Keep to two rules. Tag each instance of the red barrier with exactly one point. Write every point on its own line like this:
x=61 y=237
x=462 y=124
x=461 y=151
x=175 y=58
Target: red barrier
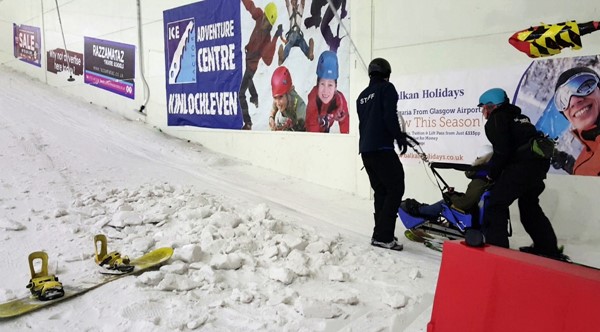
x=495 y=289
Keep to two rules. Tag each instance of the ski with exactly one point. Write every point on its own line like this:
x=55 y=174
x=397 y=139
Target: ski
x=421 y=236
x=563 y=258
x=58 y=292
x=412 y=235
x=437 y=246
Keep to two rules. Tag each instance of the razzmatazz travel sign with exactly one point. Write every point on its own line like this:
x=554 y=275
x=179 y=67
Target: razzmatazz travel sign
x=110 y=66
x=203 y=64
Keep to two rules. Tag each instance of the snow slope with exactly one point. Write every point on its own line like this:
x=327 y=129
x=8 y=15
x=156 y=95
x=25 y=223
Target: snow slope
x=254 y=250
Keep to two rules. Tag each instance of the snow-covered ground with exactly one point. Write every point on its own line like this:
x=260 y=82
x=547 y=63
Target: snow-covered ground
x=254 y=250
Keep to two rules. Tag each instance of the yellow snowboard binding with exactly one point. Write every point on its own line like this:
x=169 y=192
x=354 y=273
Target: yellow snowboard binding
x=113 y=260
x=43 y=286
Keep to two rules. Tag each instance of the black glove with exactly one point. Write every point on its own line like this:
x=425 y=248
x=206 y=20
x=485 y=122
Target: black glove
x=447 y=196
x=563 y=160
x=402 y=145
x=279 y=31
x=411 y=140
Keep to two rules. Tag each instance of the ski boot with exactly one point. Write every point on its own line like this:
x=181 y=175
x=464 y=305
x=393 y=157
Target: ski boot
x=313 y=21
x=113 y=260
x=311 y=49
x=43 y=286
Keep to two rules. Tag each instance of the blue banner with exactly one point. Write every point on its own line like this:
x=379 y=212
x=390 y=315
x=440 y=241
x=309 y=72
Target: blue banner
x=203 y=64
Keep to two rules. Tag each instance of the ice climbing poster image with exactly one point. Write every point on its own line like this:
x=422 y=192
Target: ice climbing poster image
x=258 y=65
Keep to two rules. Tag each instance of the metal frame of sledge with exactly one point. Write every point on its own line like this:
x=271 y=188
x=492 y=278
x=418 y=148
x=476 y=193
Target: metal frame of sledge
x=457 y=221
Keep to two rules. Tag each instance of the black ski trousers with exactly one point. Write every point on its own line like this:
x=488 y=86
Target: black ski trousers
x=522 y=181
x=386 y=176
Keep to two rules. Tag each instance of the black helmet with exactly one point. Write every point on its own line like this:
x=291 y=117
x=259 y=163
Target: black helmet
x=380 y=66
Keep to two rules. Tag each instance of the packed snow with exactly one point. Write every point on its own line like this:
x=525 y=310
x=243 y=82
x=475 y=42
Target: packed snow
x=254 y=250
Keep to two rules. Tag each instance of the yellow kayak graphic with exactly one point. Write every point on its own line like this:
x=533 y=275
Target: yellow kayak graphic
x=550 y=39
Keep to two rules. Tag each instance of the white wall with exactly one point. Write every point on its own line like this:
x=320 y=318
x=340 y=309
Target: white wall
x=416 y=37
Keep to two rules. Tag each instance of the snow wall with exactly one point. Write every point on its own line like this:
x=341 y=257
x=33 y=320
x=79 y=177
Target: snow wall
x=418 y=38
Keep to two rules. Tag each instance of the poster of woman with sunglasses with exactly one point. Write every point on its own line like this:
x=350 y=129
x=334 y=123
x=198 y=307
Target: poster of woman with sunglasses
x=562 y=96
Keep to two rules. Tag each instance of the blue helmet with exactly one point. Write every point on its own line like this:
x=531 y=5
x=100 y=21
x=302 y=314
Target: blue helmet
x=327 y=66
x=495 y=96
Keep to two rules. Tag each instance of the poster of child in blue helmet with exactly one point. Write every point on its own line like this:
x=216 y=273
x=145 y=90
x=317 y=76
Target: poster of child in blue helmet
x=562 y=97
x=326 y=105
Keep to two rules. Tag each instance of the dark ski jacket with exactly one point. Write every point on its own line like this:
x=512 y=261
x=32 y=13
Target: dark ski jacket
x=478 y=185
x=508 y=130
x=378 y=118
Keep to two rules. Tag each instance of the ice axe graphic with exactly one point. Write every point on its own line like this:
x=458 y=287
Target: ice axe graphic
x=550 y=39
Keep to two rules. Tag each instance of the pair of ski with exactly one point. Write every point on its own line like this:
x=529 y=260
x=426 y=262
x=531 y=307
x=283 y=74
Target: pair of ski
x=46 y=289
x=436 y=243
x=421 y=236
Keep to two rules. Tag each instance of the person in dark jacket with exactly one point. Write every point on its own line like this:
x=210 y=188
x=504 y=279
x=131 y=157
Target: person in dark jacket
x=517 y=175
x=465 y=202
x=378 y=129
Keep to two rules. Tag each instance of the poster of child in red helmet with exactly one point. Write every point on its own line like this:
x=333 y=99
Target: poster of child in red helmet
x=289 y=110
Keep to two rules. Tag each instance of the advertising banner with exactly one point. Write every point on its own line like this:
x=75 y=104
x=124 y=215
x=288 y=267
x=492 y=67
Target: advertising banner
x=203 y=62
x=110 y=66
x=440 y=110
x=280 y=65
x=57 y=62
x=28 y=44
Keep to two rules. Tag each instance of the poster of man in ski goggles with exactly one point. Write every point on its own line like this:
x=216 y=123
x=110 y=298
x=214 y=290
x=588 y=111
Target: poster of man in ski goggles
x=568 y=89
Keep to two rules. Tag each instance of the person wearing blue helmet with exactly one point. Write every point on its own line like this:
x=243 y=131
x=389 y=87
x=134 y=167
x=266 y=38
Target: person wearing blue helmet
x=326 y=105
x=516 y=174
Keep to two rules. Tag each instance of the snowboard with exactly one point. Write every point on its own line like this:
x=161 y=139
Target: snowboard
x=28 y=304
